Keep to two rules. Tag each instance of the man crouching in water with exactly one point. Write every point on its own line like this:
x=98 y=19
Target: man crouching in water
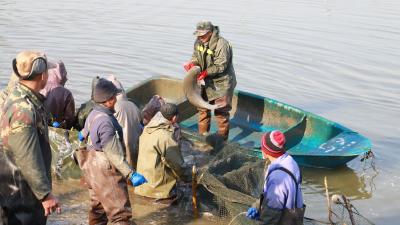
x=160 y=158
x=105 y=167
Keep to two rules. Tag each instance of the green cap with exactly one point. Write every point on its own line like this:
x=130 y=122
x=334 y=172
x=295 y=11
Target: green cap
x=203 y=27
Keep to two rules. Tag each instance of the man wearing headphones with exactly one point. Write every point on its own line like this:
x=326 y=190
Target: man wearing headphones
x=25 y=189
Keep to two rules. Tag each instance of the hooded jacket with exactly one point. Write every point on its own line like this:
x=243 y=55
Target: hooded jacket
x=215 y=56
x=59 y=100
x=160 y=159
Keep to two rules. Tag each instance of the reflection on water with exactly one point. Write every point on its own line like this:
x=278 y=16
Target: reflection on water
x=341 y=180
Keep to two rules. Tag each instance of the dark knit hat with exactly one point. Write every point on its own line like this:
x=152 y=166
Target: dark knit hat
x=169 y=110
x=272 y=143
x=104 y=90
x=94 y=82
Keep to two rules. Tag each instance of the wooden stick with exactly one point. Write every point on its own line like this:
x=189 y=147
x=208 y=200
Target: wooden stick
x=348 y=207
x=194 y=196
x=328 y=200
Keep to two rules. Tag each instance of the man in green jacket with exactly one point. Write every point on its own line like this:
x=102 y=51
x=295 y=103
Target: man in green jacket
x=213 y=54
x=160 y=159
x=25 y=188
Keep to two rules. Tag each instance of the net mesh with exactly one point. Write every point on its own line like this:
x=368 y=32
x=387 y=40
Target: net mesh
x=232 y=181
x=343 y=212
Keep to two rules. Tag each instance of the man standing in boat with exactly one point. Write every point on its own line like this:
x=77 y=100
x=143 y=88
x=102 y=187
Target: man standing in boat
x=25 y=189
x=213 y=54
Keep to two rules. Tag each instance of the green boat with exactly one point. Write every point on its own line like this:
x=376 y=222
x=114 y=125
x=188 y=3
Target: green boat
x=312 y=140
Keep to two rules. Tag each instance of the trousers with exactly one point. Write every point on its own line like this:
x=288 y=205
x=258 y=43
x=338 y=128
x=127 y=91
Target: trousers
x=108 y=192
x=221 y=114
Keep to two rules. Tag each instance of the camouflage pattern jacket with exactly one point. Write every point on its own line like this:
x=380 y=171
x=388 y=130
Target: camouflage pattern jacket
x=25 y=155
x=215 y=56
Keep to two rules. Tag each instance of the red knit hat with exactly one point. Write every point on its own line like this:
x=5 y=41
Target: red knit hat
x=272 y=143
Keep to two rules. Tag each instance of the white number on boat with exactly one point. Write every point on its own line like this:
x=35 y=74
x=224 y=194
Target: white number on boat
x=338 y=144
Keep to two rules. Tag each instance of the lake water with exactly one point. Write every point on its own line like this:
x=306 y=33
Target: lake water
x=337 y=58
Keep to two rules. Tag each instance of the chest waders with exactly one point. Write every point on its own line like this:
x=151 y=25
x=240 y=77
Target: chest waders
x=293 y=216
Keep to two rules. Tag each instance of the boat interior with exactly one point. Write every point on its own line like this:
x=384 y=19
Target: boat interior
x=253 y=115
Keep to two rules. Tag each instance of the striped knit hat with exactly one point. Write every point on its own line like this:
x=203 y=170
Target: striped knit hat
x=272 y=143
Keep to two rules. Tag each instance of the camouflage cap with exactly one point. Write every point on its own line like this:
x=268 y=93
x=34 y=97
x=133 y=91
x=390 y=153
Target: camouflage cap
x=29 y=64
x=203 y=27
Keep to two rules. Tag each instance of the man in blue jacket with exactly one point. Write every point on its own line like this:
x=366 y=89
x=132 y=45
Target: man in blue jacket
x=104 y=166
x=282 y=198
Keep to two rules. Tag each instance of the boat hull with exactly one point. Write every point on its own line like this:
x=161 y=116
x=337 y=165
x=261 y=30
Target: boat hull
x=312 y=140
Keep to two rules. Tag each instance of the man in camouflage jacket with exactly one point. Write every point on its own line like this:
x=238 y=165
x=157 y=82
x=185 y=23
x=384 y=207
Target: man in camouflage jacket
x=25 y=189
x=213 y=54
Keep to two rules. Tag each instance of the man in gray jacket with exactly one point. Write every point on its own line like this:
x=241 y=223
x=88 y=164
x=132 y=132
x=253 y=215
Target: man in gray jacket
x=213 y=54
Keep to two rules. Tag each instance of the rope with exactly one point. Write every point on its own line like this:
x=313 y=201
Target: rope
x=310 y=219
x=234 y=218
x=319 y=221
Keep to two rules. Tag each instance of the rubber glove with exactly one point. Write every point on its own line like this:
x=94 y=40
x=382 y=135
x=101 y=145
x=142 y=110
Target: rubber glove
x=56 y=124
x=80 y=136
x=253 y=214
x=202 y=75
x=188 y=66
x=137 y=179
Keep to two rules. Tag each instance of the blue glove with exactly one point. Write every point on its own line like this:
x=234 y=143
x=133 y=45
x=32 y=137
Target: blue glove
x=56 y=124
x=253 y=214
x=137 y=179
x=80 y=136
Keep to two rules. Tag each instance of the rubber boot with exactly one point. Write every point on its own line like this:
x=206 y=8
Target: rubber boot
x=204 y=121
x=222 y=119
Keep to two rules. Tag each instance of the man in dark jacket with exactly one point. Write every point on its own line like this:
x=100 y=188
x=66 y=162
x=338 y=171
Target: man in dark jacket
x=59 y=100
x=25 y=188
x=105 y=167
x=213 y=54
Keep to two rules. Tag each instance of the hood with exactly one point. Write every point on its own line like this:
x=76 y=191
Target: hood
x=158 y=122
x=214 y=38
x=57 y=78
x=118 y=85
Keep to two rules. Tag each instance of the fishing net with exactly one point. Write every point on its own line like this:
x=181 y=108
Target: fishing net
x=232 y=181
x=343 y=212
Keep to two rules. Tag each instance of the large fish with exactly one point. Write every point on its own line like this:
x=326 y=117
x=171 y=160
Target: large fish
x=193 y=91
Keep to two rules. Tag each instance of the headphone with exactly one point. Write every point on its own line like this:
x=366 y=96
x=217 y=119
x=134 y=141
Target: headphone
x=39 y=65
